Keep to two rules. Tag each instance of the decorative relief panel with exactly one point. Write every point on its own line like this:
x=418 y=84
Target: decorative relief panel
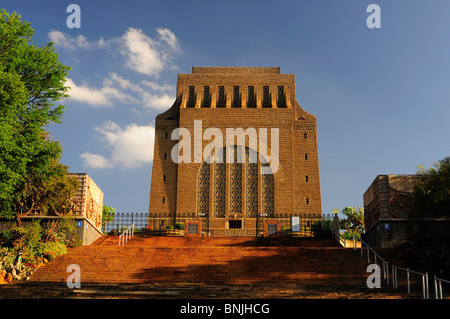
x=267 y=194
x=219 y=177
x=251 y=184
x=235 y=185
x=203 y=190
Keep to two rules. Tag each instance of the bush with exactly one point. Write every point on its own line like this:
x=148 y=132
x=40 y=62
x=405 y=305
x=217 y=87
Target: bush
x=322 y=228
x=67 y=232
x=169 y=227
x=50 y=250
x=179 y=226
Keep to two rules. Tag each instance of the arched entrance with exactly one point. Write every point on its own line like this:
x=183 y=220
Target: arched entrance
x=235 y=190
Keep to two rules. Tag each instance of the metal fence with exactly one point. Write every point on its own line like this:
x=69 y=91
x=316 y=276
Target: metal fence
x=139 y=220
x=425 y=286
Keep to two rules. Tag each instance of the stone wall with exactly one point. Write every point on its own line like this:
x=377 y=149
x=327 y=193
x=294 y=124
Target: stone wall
x=296 y=183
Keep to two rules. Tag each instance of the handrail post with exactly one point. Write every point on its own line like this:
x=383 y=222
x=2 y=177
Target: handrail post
x=407 y=276
x=368 y=258
x=387 y=273
x=435 y=287
x=423 y=286
x=394 y=277
x=126 y=235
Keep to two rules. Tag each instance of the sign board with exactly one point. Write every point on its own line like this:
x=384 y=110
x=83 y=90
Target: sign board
x=295 y=223
x=79 y=223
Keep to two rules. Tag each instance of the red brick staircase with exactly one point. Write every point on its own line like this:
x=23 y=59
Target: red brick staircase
x=218 y=267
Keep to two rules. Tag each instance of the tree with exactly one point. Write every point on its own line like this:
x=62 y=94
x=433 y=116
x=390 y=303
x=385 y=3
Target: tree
x=107 y=215
x=431 y=197
x=428 y=245
x=31 y=81
x=354 y=223
x=322 y=228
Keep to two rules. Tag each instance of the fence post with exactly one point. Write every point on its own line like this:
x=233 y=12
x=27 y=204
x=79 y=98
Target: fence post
x=407 y=276
x=336 y=227
x=387 y=272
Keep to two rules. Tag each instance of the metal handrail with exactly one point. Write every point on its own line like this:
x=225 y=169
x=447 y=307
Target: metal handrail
x=438 y=287
x=127 y=234
x=425 y=284
x=376 y=256
x=425 y=287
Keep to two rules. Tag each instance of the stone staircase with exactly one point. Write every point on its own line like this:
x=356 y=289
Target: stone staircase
x=216 y=267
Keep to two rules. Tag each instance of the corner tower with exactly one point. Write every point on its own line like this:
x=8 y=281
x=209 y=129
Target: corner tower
x=227 y=194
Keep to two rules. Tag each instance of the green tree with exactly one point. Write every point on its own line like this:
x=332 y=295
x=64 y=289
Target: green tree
x=107 y=215
x=31 y=81
x=431 y=197
x=428 y=245
x=354 y=223
x=322 y=228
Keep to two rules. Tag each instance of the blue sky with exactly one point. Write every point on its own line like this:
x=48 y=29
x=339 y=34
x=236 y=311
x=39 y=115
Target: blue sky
x=381 y=96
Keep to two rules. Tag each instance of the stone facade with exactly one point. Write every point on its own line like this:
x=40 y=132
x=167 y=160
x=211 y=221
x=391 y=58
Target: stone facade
x=386 y=203
x=231 y=196
x=87 y=210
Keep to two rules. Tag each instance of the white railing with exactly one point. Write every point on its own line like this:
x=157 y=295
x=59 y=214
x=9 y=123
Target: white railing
x=425 y=285
x=425 y=290
x=438 y=287
x=126 y=235
x=375 y=254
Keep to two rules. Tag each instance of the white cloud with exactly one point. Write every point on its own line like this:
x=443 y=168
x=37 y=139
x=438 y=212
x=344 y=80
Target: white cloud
x=131 y=147
x=67 y=41
x=146 y=55
x=97 y=97
x=158 y=87
x=157 y=102
x=146 y=98
x=82 y=41
x=95 y=160
x=142 y=53
x=167 y=36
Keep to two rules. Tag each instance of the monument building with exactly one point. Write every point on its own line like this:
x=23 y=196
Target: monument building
x=386 y=211
x=235 y=155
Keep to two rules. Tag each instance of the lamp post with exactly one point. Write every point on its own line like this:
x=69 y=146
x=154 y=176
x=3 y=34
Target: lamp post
x=336 y=223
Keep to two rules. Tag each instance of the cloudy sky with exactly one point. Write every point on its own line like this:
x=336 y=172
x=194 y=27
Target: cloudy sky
x=381 y=96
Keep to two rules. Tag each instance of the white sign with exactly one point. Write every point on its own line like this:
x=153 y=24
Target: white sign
x=295 y=223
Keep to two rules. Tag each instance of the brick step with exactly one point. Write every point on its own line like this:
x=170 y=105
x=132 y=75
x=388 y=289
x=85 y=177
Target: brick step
x=195 y=291
x=234 y=261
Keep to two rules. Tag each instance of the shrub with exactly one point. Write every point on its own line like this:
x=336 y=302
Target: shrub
x=50 y=250
x=322 y=228
x=67 y=232
x=179 y=226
